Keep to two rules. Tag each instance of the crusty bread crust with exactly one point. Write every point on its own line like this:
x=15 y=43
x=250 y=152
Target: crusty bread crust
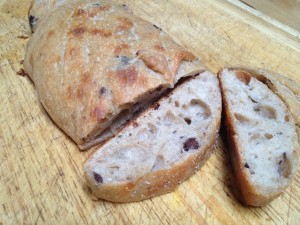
x=160 y=181
x=246 y=191
x=90 y=60
x=152 y=184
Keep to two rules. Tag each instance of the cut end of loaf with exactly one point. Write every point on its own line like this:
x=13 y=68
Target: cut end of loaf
x=162 y=147
x=263 y=137
x=100 y=135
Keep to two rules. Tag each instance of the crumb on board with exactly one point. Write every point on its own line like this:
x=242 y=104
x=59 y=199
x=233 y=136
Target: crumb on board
x=22 y=37
x=21 y=72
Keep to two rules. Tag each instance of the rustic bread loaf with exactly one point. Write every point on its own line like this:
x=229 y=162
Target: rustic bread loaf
x=263 y=137
x=92 y=61
x=161 y=148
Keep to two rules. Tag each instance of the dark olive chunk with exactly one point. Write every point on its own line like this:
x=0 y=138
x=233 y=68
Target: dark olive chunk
x=190 y=143
x=98 y=178
x=32 y=20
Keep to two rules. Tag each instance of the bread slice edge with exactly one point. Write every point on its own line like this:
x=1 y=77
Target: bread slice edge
x=246 y=191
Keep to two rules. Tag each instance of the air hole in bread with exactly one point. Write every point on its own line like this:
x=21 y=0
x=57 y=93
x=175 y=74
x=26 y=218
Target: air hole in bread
x=152 y=128
x=287 y=118
x=252 y=172
x=177 y=104
x=255 y=136
x=268 y=136
x=170 y=118
x=143 y=135
x=188 y=120
x=198 y=109
x=113 y=169
x=201 y=105
x=128 y=178
x=159 y=163
x=265 y=111
x=241 y=118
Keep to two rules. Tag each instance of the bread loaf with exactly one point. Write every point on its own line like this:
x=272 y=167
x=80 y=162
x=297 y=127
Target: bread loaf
x=161 y=148
x=262 y=134
x=94 y=61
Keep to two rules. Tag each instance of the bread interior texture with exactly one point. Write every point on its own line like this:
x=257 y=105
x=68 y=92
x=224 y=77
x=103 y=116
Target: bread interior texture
x=264 y=129
x=177 y=128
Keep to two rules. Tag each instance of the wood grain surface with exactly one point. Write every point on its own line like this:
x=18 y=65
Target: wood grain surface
x=41 y=178
x=285 y=11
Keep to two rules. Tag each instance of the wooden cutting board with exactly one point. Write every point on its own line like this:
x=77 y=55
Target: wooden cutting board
x=41 y=178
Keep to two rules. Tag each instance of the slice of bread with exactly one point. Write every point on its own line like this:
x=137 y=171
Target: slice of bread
x=263 y=137
x=162 y=147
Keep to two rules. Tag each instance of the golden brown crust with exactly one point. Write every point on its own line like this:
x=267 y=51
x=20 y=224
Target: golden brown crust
x=155 y=183
x=84 y=60
x=245 y=191
x=158 y=182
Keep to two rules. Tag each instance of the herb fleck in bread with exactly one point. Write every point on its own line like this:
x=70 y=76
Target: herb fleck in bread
x=263 y=137
x=161 y=148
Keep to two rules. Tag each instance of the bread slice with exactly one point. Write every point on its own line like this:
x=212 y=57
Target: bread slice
x=162 y=147
x=263 y=137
